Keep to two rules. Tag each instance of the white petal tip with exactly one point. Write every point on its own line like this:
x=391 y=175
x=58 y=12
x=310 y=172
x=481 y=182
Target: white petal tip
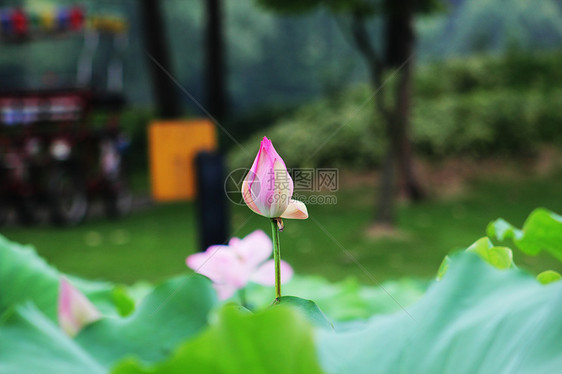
x=295 y=210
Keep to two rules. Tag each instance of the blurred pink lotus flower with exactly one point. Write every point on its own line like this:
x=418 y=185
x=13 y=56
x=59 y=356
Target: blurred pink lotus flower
x=232 y=266
x=268 y=187
x=75 y=310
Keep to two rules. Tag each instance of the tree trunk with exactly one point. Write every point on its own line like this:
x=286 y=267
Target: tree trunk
x=385 y=207
x=386 y=195
x=403 y=145
x=215 y=74
x=398 y=54
x=165 y=91
x=400 y=41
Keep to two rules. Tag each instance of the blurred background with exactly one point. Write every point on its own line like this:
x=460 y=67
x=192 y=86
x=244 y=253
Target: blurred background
x=437 y=116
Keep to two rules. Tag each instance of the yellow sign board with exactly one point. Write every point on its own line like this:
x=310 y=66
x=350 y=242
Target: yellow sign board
x=173 y=146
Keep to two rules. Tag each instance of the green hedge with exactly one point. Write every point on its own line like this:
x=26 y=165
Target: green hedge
x=516 y=70
x=305 y=139
x=479 y=107
x=487 y=122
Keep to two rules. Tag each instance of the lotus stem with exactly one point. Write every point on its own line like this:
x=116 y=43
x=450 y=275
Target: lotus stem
x=276 y=258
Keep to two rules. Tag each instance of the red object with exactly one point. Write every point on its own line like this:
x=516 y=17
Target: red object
x=19 y=20
x=76 y=18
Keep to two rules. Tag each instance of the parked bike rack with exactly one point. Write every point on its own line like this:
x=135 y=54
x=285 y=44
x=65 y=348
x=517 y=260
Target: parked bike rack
x=53 y=160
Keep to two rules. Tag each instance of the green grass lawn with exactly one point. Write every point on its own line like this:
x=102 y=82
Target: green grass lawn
x=152 y=244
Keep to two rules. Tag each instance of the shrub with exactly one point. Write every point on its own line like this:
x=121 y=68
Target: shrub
x=479 y=107
x=324 y=133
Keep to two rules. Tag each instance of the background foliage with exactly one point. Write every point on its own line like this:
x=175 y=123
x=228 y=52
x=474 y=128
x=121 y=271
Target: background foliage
x=478 y=106
x=262 y=72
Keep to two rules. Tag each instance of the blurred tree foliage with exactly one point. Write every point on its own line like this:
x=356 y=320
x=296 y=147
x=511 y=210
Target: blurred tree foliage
x=277 y=62
x=480 y=106
x=281 y=60
x=396 y=58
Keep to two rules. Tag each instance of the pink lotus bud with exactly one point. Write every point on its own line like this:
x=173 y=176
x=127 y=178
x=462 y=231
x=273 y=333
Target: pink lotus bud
x=268 y=187
x=75 y=310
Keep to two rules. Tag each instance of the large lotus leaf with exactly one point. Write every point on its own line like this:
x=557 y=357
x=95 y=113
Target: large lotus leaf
x=345 y=300
x=541 y=231
x=174 y=311
x=308 y=308
x=24 y=276
x=476 y=319
x=549 y=276
x=278 y=340
x=32 y=343
x=499 y=257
